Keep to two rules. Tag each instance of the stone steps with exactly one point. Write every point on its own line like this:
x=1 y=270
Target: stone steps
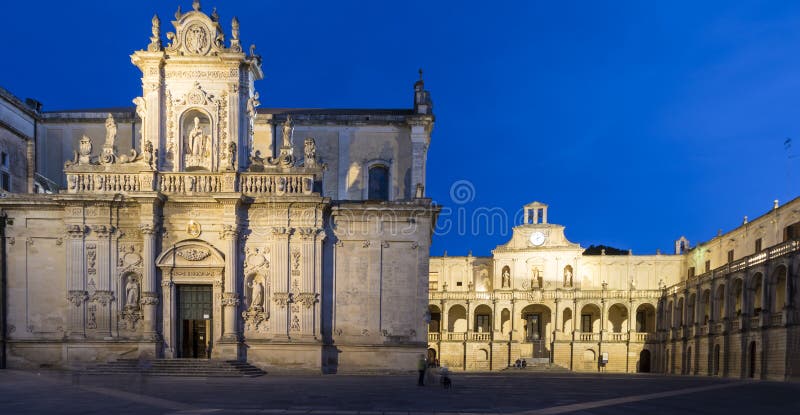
x=177 y=367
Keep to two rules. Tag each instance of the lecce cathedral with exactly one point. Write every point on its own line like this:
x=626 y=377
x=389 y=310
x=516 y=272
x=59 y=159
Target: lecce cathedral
x=198 y=225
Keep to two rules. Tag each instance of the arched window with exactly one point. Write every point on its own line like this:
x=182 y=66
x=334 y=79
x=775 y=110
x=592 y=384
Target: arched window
x=378 y=183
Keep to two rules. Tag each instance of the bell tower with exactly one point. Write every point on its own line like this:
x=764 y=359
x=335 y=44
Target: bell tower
x=198 y=100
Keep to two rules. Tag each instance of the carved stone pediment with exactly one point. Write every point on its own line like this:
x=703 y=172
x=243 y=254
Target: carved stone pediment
x=196 y=34
x=191 y=254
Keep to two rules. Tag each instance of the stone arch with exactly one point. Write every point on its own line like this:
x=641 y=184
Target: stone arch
x=646 y=318
x=482 y=355
x=435 y=325
x=669 y=317
x=618 y=318
x=715 y=361
x=688 y=361
x=719 y=303
x=779 y=288
x=482 y=322
x=590 y=318
x=691 y=309
x=752 y=359
x=706 y=306
x=567 y=322
x=505 y=321
x=528 y=324
x=379 y=177
x=678 y=316
x=589 y=359
x=736 y=293
x=457 y=319
x=644 y=362
x=755 y=292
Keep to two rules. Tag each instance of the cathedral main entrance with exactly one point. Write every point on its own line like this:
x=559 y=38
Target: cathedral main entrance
x=194 y=321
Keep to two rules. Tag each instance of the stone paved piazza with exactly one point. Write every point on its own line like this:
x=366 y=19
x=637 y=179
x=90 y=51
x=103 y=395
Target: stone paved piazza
x=508 y=392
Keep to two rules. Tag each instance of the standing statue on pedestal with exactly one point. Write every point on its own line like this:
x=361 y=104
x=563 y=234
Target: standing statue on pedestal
x=132 y=293
x=287 y=131
x=196 y=139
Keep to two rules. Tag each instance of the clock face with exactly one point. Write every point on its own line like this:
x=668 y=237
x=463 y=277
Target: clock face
x=537 y=238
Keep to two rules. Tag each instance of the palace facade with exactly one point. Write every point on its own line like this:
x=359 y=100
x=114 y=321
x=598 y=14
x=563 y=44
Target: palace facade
x=725 y=307
x=198 y=225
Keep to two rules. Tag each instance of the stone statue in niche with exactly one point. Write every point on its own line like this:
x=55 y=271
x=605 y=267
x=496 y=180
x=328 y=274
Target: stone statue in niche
x=536 y=278
x=197 y=147
x=506 y=283
x=257 y=296
x=568 y=276
x=132 y=293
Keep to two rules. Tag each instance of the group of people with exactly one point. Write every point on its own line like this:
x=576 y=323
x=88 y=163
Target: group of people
x=427 y=371
x=520 y=364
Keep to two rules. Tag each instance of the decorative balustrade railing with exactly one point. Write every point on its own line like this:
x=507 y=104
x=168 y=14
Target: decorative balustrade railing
x=776 y=319
x=615 y=337
x=642 y=337
x=251 y=184
x=736 y=324
x=588 y=337
x=481 y=337
x=456 y=336
x=755 y=322
x=434 y=337
x=543 y=295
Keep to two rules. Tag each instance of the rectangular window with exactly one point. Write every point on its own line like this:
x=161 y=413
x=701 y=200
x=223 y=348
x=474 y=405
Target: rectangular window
x=586 y=323
x=708 y=265
x=691 y=272
x=791 y=232
x=458 y=284
x=4 y=159
x=730 y=256
x=758 y=245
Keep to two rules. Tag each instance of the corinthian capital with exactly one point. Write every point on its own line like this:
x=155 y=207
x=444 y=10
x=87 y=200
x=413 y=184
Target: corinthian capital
x=229 y=232
x=147 y=228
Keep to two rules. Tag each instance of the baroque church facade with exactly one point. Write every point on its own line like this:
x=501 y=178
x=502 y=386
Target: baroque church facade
x=725 y=307
x=198 y=225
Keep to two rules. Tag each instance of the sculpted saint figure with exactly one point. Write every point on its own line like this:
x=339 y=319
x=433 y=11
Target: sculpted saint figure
x=196 y=138
x=111 y=130
x=131 y=293
x=506 y=278
x=287 y=132
x=567 y=277
x=258 y=295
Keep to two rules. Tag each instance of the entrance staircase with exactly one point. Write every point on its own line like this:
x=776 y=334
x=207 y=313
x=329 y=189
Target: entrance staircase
x=537 y=365
x=177 y=367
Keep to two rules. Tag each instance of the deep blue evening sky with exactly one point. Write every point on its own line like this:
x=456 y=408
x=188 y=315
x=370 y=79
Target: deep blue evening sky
x=636 y=121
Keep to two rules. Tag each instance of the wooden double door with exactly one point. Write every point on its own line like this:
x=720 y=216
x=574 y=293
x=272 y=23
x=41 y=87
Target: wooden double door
x=194 y=321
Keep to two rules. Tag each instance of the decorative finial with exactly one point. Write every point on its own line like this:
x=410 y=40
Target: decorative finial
x=744 y=222
x=155 y=38
x=253 y=49
x=420 y=74
x=214 y=15
x=196 y=5
x=775 y=204
x=178 y=13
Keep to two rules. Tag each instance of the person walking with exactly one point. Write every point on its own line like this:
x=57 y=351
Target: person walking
x=421 y=366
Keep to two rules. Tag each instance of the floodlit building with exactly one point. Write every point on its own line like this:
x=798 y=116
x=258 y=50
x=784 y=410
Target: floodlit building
x=725 y=307
x=197 y=225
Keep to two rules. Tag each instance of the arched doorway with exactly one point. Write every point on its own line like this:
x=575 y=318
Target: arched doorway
x=752 y=367
x=644 y=361
x=192 y=275
x=715 y=369
x=432 y=357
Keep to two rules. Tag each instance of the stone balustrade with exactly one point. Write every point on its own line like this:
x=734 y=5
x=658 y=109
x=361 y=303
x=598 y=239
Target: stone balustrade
x=544 y=295
x=642 y=337
x=434 y=337
x=588 y=337
x=481 y=337
x=776 y=319
x=456 y=336
x=615 y=337
x=755 y=322
x=251 y=184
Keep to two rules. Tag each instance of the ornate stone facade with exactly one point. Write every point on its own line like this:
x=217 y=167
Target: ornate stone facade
x=203 y=222
x=726 y=307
